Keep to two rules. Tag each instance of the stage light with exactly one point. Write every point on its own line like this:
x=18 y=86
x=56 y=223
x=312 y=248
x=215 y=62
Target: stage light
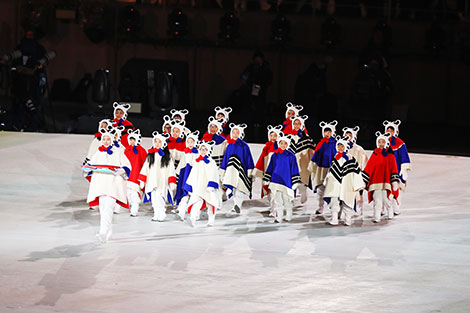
x=177 y=24
x=130 y=22
x=330 y=32
x=229 y=27
x=280 y=30
x=101 y=88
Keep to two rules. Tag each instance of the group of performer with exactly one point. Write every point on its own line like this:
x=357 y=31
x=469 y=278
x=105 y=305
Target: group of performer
x=191 y=173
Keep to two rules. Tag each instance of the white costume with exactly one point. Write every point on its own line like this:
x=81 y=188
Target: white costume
x=96 y=143
x=158 y=181
x=203 y=186
x=107 y=189
x=343 y=181
x=357 y=152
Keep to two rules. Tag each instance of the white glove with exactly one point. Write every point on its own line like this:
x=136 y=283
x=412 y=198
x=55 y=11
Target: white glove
x=394 y=186
x=121 y=172
x=404 y=174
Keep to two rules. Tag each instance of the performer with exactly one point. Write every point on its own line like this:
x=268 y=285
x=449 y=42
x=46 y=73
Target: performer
x=119 y=148
x=292 y=110
x=214 y=130
x=166 y=127
x=158 y=177
x=108 y=170
x=302 y=146
x=136 y=155
x=180 y=115
x=321 y=161
x=237 y=167
x=357 y=152
x=403 y=159
x=268 y=150
x=222 y=115
x=342 y=183
x=120 y=119
x=381 y=177
x=184 y=169
x=203 y=185
x=96 y=142
x=282 y=178
x=176 y=143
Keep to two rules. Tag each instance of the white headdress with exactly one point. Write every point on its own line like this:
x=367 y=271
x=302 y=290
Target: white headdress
x=342 y=141
x=181 y=113
x=162 y=137
x=124 y=107
x=393 y=125
x=302 y=120
x=107 y=121
x=224 y=111
x=166 y=121
x=179 y=125
x=214 y=121
x=194 y=135
x=331 y=125
x=351 y=130
x=274 y=129
x=208 y=144
x=292 y=107
x=283 y=137
x=385 y=137
x=240 y=127
x=134 y=134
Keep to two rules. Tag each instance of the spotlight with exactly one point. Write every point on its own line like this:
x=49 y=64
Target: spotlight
x=100 y=88
x=229 y=27
x=130 y=22
x=330 y=32
x=280 y=30
x=177 y=24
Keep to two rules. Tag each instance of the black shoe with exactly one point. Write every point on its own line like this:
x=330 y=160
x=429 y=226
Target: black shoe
x=237 y=208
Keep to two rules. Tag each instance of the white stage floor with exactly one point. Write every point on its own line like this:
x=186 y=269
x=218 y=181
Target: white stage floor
x=49 y=261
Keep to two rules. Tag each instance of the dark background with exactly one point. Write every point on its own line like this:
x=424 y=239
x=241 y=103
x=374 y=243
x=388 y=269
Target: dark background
x=431 y=91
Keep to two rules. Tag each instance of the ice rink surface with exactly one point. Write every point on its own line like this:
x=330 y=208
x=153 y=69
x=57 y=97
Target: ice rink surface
x=50 y=262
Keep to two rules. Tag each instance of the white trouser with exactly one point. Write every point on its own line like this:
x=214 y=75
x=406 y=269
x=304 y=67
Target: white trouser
x=303 y=193
x=381 y=199
x=281 y=202
x=134 y=201
x=106 y=205
x=238 y=197
x=158 y=204
x=336 y=208
x=320 y=193
x=183 y=206
x=396 y=203
x=196 y=208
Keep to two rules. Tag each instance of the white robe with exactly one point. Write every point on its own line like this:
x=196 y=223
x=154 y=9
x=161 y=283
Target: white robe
x=156 y=177
x=103 y=184
x=201 y=175
x=344 y=180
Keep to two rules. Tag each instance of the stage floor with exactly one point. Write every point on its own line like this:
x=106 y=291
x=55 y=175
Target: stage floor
x=50 y=262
